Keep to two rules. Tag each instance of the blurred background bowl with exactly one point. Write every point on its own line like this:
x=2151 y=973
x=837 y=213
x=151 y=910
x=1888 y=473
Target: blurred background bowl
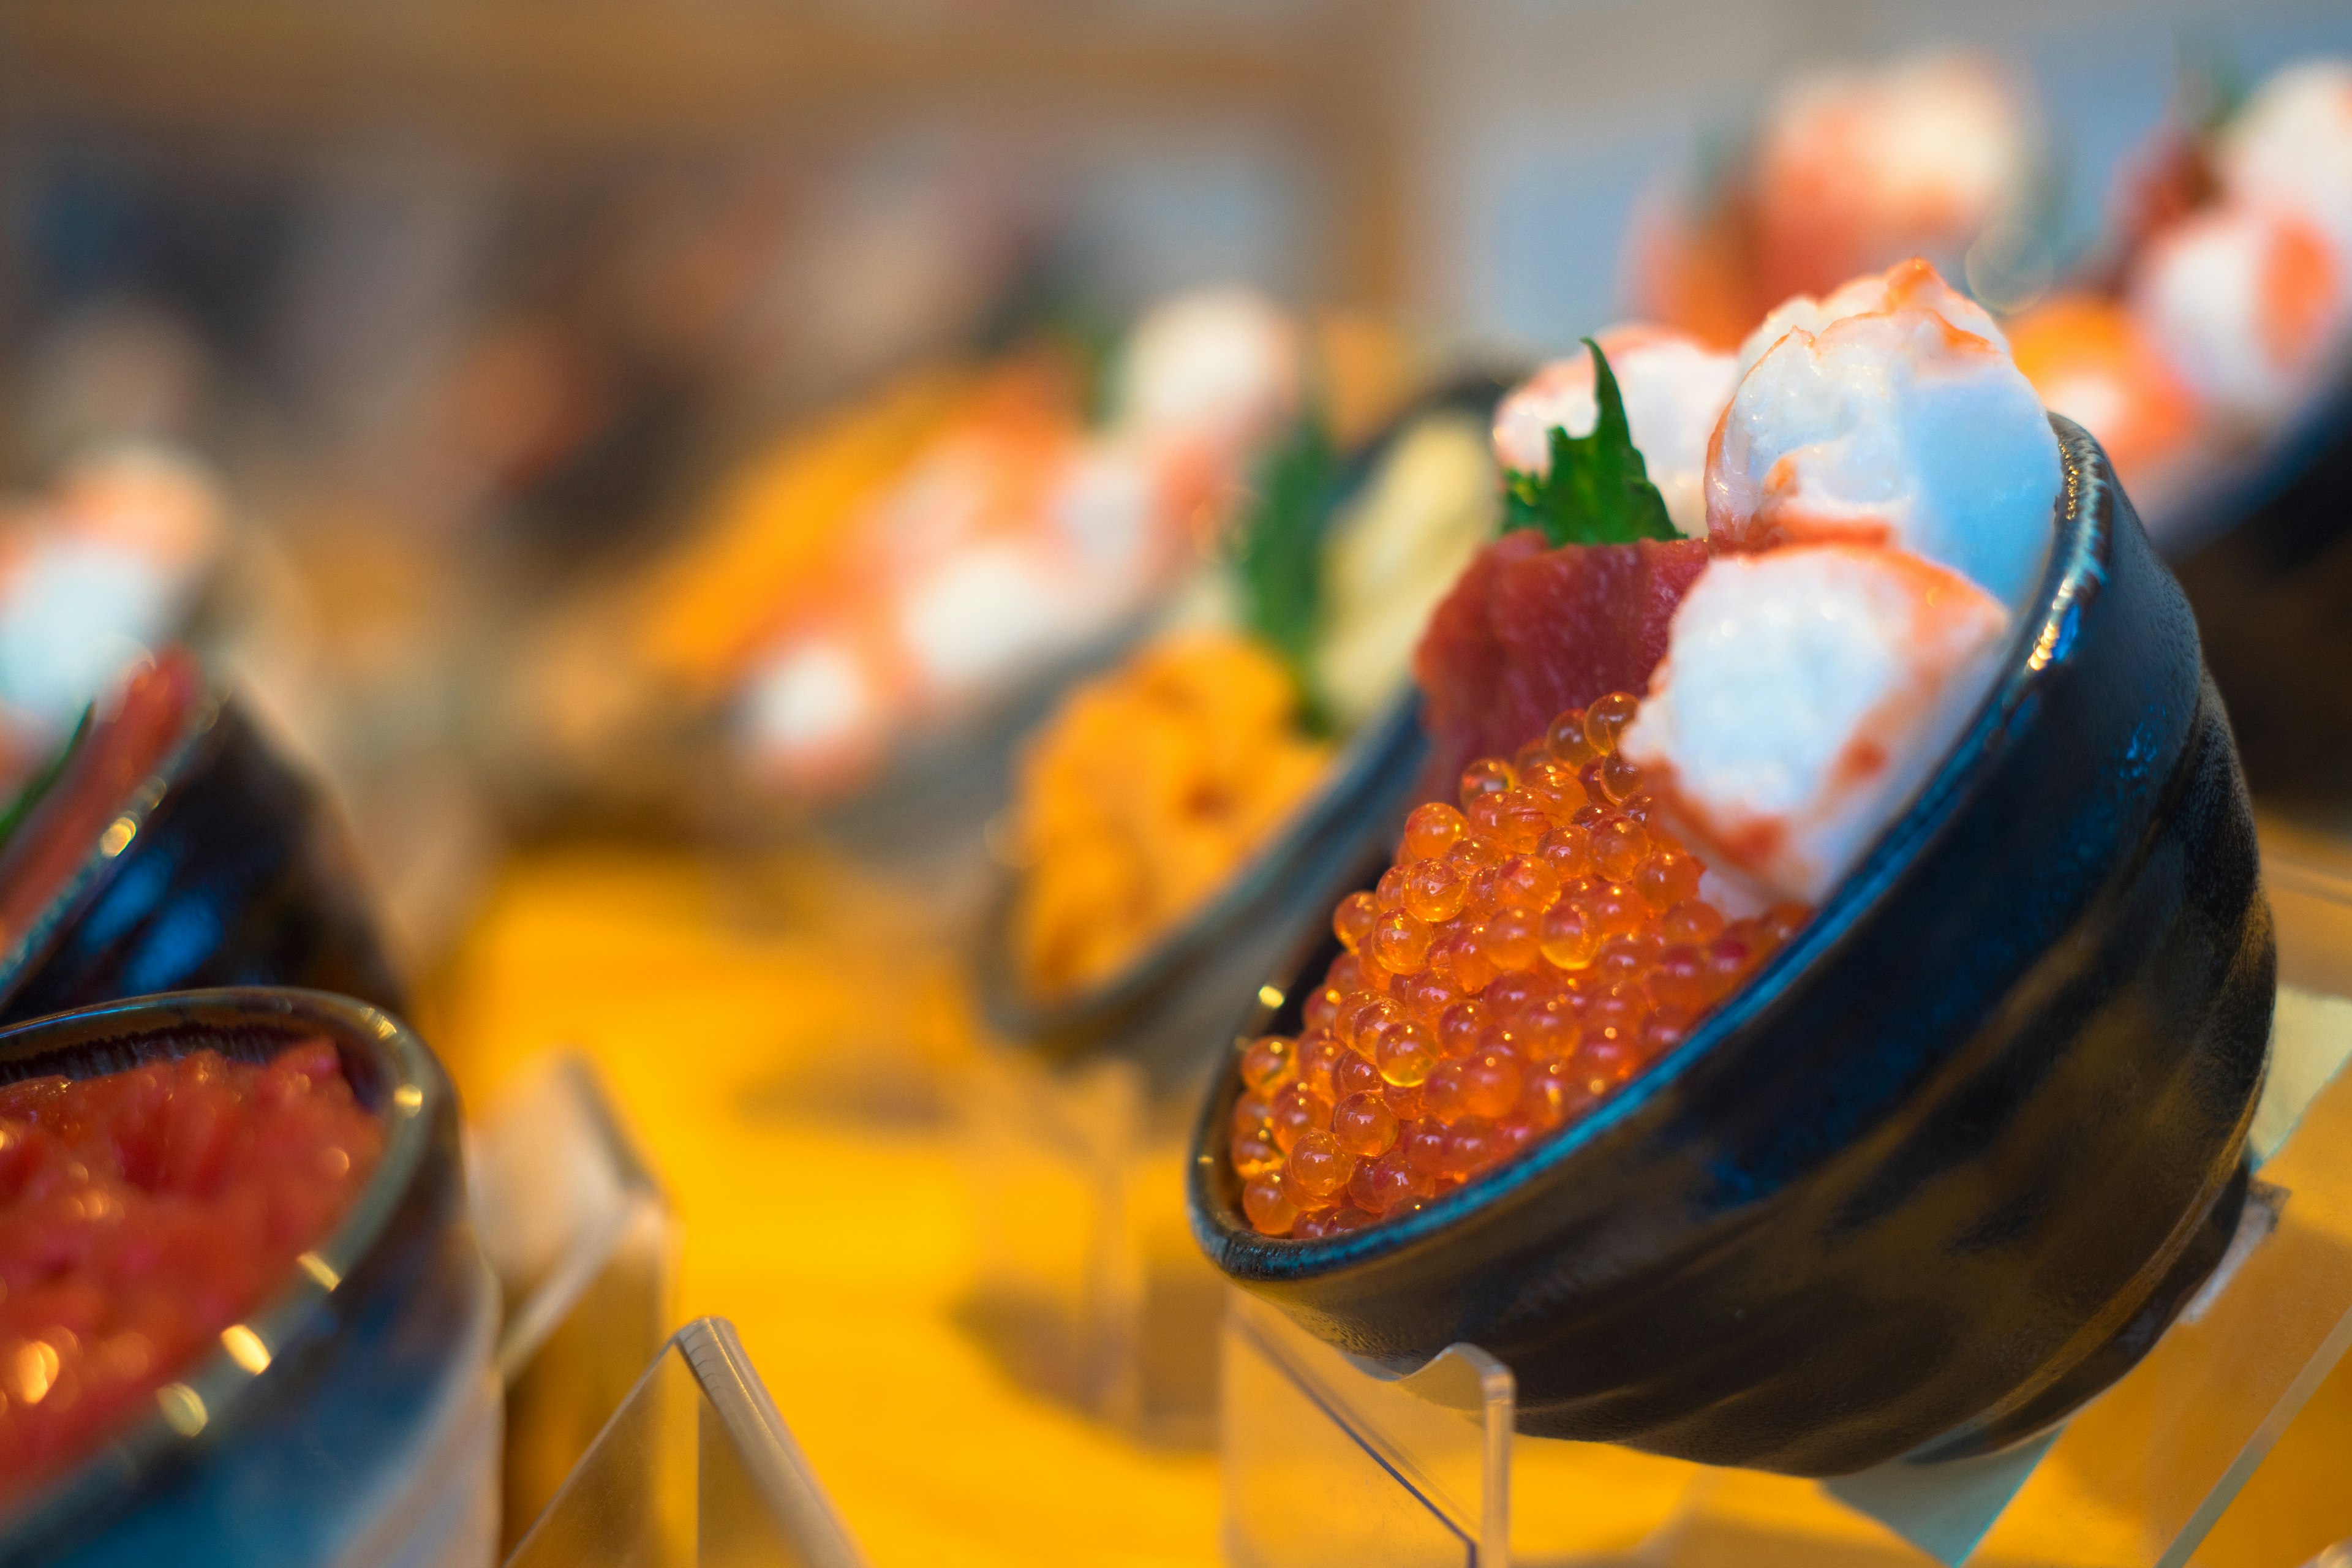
x=370 y=1434
x=2268 y=569
x=221 y=865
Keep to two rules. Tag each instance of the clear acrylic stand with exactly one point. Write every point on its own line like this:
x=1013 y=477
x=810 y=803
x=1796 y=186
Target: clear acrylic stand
x=1090 y=1289
x=694 y=1470
x=1326 y=1464
x=583 y=1242
x=1329 y=1460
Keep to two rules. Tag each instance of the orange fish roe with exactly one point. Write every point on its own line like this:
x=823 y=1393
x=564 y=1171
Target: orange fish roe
x=1526 y=955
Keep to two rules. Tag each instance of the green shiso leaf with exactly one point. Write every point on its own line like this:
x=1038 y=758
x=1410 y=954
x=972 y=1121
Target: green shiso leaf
x=1599 y=489
x=1277 y=550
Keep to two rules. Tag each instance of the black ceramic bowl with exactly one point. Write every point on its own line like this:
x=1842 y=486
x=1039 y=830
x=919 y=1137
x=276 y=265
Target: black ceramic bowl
x=224 y=866
x=1176 y=1003
x=1951 y=1160
x=2267 y=566
x=356 y=1435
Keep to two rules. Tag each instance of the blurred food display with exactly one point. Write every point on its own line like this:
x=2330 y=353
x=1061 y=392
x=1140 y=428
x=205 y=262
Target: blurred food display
x=993 y=527
x=1847 y=170
x=104 y=564
x=756 y=520
x=1148 y=788
x=2220 y=314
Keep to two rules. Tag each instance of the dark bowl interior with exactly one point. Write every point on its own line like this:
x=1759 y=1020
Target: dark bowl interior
x=283 y=1456
x=235 y=871
x=2268 y=569
x=1176 y=1005
x=1946 y=1165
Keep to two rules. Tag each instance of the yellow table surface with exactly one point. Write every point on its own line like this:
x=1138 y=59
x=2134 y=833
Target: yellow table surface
x=779 y=1037
x=771 y=1041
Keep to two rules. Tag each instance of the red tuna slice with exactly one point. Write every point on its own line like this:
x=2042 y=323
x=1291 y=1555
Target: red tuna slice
x=1529 y=631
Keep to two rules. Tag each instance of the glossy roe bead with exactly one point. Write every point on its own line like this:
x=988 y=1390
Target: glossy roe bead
x=1491 y=1081
x=1400 y=942
x=1616 y=910
x=1527 y=882
x=1607 y=718
x=1620 y=846
x=1432 y=829
x=1433 y=890
x=1620 y=780
x=1268 y=1206
x=1254 y=1155
x=1487 y=775
x=1471 y=852
x=1355 y=1073
x=1460 y=1026
x=1320 y=1165
x=1353 y=921
x=1510 y=940
x=1571 y=936
x=1405 y=1052
x=1667 y=878
x=1298 y=1111
x=1474 y=970
x=1691 y=921
x=1567 y=740
x=1364 y=1124
x=1269 y=1062
x=1567 y=850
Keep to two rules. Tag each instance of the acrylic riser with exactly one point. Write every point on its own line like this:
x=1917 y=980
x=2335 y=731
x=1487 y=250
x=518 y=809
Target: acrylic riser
x=694 y=1470
x=585 y=1247
x=1090 y=1289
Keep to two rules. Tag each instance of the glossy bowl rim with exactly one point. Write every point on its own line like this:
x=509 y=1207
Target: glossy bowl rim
x=2085 y=514
x=17 y=963
x=415 y=1092
x=1353 y=771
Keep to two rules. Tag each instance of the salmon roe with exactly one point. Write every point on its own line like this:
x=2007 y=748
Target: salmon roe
x=142 y=1215
x=1528 y=953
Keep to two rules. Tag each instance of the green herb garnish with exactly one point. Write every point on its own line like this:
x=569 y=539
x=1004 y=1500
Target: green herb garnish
x=1278 y=551
x=1599 y=490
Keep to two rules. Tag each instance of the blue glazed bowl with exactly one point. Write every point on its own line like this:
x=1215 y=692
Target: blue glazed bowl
x=2268 y=569
x=1176 y=1005
x=236 y=872
x=371 y=1428
x=1951 y=1160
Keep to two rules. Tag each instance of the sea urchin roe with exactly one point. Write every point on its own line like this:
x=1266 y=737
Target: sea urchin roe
x=1510 y=990
x=145 y=1212
x=1143 y=793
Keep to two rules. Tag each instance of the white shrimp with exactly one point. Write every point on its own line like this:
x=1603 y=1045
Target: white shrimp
x=1897 y=427
x=1806 y=694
